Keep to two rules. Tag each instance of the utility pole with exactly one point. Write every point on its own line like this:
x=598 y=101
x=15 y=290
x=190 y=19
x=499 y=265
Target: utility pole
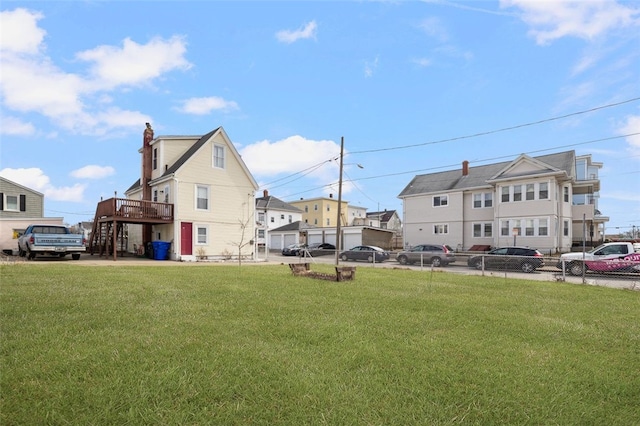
x=339 y=203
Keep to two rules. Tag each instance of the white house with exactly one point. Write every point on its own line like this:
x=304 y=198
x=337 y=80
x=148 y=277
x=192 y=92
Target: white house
x=272 y=213
x=534 y=201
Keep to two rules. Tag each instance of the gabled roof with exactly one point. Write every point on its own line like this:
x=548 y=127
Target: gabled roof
x=294 y=226
x=385 y=216
x=272 y=203
x=192 y=151
x=10 y=182
x=480 y=176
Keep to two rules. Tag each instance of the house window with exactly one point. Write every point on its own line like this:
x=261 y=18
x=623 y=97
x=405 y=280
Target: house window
x=505 y=194
x=565 y=228
x=260 y=217
x=517 y=193
x=440 y=200
x=488 y=199
x=202 y=197
x=441 y=228
x=477 y=201
x=530 y=192
x=155 y=158
x=565 y=192
x=281 y=217
x=482 y=229
x=218 y=156
x=528 y=228
x=202 y=235
x=504 y=228
x=260 y=233
x=517 y=229
x=273 y=219
x=543 y=228
x=11 y=202
x=290 y=219
x=166 y=194
x=543 y=191
x=155 y=195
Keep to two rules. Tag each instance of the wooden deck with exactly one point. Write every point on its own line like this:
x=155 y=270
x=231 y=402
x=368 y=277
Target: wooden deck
x=123 y=210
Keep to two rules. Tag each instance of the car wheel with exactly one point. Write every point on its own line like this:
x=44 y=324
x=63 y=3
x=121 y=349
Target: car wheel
x=344 y=257
x=436 y=261
x=21 y=252
x=478 y=264
x=31 y=255
x=527 y=267
x=75 y=256
x=370 y=259
x=576 y=268
x=402 y=260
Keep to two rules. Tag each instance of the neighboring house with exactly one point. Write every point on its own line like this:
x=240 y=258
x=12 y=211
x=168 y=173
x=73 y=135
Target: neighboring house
x=210 y=190
x=291 y=233
x=533 y=201
x=323 y=212
x=387 y=219
x=272 y=213
x=19 y=207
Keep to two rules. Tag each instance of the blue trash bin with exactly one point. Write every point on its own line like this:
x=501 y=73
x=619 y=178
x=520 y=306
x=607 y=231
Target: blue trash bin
x=161 y=250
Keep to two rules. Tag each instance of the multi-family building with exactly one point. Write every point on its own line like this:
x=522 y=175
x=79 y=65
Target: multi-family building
x=542 y=202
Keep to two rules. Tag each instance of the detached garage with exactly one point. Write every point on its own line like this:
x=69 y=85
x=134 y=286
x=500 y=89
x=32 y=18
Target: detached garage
x=352 y=236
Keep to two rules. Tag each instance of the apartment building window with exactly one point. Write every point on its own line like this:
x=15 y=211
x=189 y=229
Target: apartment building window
x=565 y=192
x=483 y=199
x=306 y=209
x=543 y=191
x=328 y=222
x=505 y=194
x=155 y=158
x=273 y=219
x=315 y=221
x=529 y=230
x=290 y=219
x=517 y=193
x=441 y=228
x=565 y=228
x=328 y=207
x=202 y=197
x=482 y=229
x=315 y=207
x=281 y=217
x=218 y=156
x=440 y=200
x=504 y=228
x=517 y=227
x=543 y=227
x=202 y=235
x=530 y=192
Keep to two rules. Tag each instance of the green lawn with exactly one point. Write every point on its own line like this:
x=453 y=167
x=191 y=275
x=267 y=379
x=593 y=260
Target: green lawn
x=229 y=345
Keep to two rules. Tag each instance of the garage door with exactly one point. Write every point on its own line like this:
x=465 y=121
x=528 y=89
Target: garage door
x=290 y=239
x=351 y=240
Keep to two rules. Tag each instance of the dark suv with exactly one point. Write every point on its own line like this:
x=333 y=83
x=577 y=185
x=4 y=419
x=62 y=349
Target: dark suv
x=526 y=259
x=435 y=254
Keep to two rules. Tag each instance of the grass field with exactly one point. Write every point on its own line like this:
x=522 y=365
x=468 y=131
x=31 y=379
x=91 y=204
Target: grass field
x=254 y=345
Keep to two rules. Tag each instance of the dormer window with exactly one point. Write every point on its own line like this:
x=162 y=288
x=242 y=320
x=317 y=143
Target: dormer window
x=218 y=156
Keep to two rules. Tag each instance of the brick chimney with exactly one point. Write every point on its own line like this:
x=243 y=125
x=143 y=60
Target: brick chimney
x=465 y=168
x=146 y=162
x=265 y=193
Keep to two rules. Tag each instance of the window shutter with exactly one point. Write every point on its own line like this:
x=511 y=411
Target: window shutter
x=1 y=201
x=23 y=203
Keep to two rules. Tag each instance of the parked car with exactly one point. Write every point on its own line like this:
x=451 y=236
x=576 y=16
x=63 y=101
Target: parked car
x=293 y=249
x=525 y=259
x=317 y=249
x=368 y=253
x=50 y=240
x=594 y=259
x=435 y=254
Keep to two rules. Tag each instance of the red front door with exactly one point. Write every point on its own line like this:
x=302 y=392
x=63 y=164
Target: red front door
x=186 y=238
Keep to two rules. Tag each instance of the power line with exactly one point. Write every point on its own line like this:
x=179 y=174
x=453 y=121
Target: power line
x=490 y=132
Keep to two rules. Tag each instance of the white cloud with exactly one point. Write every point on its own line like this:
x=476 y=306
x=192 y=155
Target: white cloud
x=93 y=172
x=133 y=63
x=203 y=106
x=16 y=127
x=19 y=31
x=35 y=178
x=632 y=125
x=551 y=20
x=31 y=82
x=307 y=31
x=422 y=62
x=370 y=67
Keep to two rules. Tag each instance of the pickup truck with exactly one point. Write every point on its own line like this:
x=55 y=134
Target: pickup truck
x=50 y=240
x=608 y=257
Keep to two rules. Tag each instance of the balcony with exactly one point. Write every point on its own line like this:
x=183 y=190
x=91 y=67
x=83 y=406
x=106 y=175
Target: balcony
x=134 y=211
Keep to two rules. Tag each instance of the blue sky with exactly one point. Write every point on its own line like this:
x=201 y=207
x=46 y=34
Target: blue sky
x=407 y=84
